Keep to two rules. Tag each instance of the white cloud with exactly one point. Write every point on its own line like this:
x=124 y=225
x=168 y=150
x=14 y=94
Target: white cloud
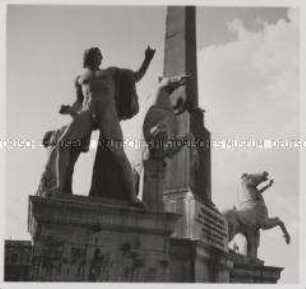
x=255 y=77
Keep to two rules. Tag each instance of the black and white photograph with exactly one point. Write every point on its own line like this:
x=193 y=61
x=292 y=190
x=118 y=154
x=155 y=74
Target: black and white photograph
x=152 y=143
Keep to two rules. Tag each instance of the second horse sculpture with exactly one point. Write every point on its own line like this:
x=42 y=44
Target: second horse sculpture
x=251 y=214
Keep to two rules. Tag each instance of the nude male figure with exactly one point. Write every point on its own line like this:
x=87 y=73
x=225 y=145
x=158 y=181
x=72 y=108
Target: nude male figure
x=95 y=108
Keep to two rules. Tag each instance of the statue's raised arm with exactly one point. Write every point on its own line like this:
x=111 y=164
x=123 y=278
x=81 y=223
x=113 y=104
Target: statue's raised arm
x=149 y=54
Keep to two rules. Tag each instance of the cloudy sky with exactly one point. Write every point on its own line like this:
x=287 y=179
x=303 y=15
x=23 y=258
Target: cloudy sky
x=248 y=85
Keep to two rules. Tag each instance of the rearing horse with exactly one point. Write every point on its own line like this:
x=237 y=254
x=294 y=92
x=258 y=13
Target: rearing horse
x=251 y=214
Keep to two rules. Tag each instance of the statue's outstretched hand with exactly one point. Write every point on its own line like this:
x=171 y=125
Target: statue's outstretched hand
x=149 y=53
x=65 y=109
x=271 y=182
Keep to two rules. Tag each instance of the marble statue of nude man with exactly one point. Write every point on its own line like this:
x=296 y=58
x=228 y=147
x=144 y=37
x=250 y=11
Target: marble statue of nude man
x=96 y=108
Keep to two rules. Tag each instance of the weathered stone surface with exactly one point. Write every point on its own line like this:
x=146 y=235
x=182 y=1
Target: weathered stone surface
x=180 y=49
x=250 y=270
x=198 y=221
x=18 y=256
x=195 y=261
x=81 y=239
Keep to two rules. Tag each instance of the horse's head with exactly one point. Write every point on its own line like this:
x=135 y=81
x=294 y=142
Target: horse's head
x=172 y=83
x=253 y=180
x=166 y=86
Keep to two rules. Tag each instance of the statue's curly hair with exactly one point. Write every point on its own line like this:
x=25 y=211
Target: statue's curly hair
x=92 y=58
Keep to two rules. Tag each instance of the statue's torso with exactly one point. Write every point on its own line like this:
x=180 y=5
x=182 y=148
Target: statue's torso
x=98 y=88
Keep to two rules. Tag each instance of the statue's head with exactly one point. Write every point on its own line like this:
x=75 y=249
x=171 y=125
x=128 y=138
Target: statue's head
x=92 y=58
x=166 y=86
x=254 y=180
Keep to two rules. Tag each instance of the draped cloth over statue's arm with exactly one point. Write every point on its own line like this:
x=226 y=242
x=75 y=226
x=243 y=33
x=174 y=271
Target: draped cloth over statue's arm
x=125 y=94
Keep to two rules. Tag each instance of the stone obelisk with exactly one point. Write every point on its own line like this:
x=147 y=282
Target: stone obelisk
x=181 y=58
x=187 y=188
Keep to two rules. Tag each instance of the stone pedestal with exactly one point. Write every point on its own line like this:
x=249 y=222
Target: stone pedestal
x=17 y=264
x=201 y=241
x=85 y=239
x=198 y=221
x=195 y=261
x=250 y=270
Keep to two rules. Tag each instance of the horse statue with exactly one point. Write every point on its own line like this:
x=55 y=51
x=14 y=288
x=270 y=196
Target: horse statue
x=159 y=127
x=251 y=213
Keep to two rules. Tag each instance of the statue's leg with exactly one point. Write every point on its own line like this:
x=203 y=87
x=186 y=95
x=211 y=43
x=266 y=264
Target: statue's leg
x=252 y=242
x=112 y=134
x=73 y=157
x=274 y=222
x=74 y=137
x=256 y=242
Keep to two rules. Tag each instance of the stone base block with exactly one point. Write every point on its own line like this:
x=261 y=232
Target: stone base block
x=199 y=221
x=250 y=270
x=195 y=261
x=85 y=239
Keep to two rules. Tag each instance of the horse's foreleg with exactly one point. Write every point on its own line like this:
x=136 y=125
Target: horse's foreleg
x=274 y=222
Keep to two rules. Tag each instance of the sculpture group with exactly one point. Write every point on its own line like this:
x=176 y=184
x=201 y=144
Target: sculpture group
x=104 y=97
